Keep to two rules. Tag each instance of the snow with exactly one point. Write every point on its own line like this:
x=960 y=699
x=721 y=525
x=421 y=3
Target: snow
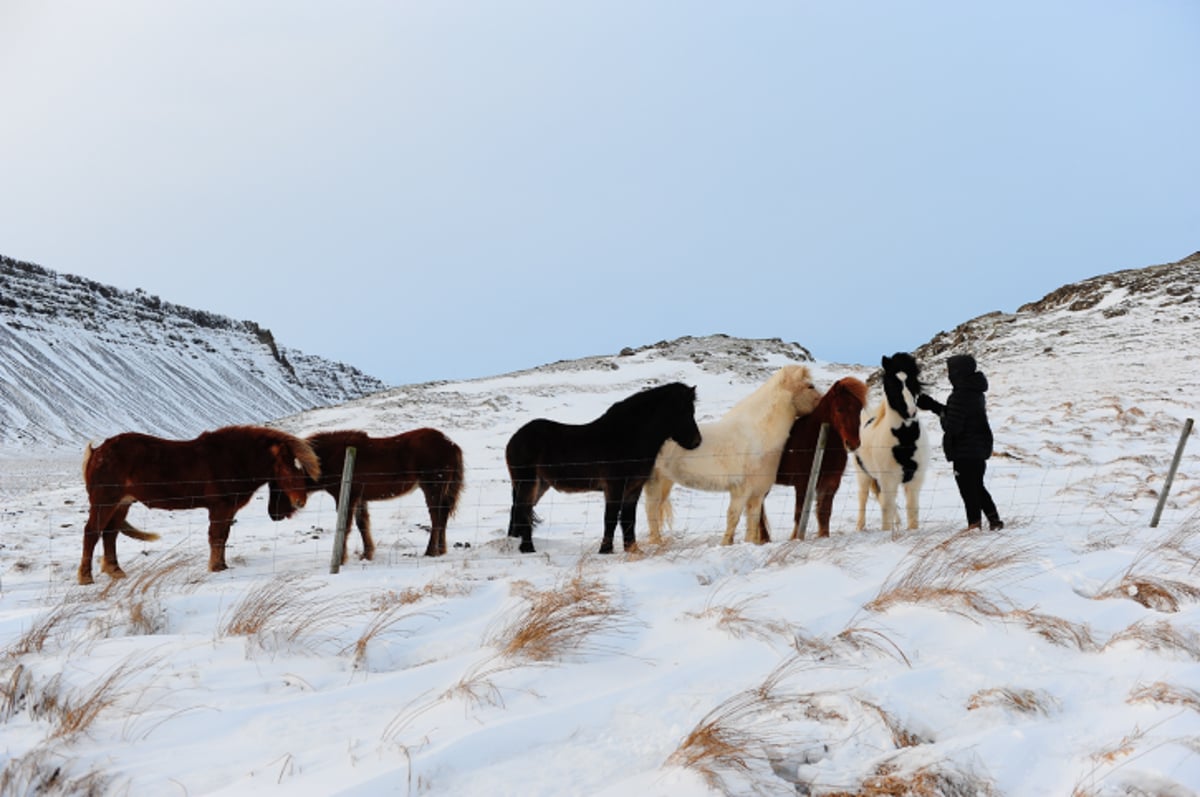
x=1018 y=662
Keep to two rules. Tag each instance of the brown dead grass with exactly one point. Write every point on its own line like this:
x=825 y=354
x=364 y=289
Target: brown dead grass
x=1023 y=701
x=1164 y=693
x=1159 y=636
x=46 y=773
x=283 y=610
x=948 y=574
x=1056 y=630
x=921 y=782
x=736 y=620
x=902 y=736
x=1144 y=580
x=560 y=620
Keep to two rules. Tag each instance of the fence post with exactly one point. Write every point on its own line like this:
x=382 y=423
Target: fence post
x=1162 y=498
x=811 y=490
x=343 y=514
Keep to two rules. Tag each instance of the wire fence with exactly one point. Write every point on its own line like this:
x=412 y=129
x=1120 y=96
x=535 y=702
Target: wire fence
x=1076 y=491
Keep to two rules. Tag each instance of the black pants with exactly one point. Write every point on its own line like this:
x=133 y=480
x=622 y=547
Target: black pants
x=968 y=475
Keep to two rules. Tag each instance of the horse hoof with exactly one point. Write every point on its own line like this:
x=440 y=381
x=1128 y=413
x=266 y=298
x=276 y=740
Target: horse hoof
x=527 y=547
x=606 y=548
x=86 y=578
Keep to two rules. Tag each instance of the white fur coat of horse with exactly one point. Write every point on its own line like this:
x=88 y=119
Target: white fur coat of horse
x=894 y=450
x=738 y=453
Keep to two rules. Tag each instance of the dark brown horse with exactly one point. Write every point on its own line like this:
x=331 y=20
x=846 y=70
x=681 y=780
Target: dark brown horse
x=387 y=467
x=613 y=454
x=218 y=471
x=840 y=407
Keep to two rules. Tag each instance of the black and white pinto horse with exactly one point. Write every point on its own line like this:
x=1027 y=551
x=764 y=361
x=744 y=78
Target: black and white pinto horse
x=893 y=450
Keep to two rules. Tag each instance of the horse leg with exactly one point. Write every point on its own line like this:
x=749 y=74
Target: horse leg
x=362 y=519
x=220 y=518
x=657 y=492
x=756 y=529
x=912 y=504
x=797 y=532
x=888 y=502
x=825 y=495
x=439 y=516
x=526 y=493
x=864 y=489
x=733 y=514
x=628 y=519
x=101 y=517
x=112 y=530
x=612 y=513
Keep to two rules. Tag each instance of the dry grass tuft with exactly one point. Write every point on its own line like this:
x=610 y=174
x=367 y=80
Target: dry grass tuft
x=902 y=736
x=943 y=574
x=729 y=739
x=560 y=620
x=1166 y=694
x=735 y=620
x=410 y=595
x=1024 y=701
x=1154 y=592
x=282 y=610
x=77 y=712
x=1142 y=580
x=855 y=638
x=45 y=773
x=1159 y=636
x=379 y=625
x=920 y=782
x=1055 y=630
x=45 y=627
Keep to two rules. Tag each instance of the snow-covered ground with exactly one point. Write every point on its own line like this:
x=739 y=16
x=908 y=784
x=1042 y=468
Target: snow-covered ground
x=1059 y=656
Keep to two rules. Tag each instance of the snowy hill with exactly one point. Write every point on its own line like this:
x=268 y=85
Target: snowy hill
x=1059 y=657
x=80 y=360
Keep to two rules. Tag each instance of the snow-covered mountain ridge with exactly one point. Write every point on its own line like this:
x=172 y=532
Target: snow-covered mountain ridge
x=82 y=360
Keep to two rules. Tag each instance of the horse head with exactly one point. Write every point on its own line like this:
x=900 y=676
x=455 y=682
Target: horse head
x=797 y=380
x=684 y=430
x=902 y=383
x=295 y=467
x=847 y=398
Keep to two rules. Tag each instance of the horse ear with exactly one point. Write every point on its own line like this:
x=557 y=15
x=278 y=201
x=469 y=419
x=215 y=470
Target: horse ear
x=885 y=361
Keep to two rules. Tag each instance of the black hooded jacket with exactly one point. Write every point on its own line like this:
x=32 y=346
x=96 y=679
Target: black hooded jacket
x=967 y=433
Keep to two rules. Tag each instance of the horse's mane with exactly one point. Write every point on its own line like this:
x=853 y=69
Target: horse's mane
x=847 y=384
x=298 y=446
x=640 y=402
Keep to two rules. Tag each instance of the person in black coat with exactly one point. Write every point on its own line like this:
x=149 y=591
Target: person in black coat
x=967 y=437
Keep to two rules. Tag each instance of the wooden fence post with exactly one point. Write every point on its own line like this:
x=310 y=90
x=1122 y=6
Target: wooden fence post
x=343 y=514
x=811 y=490
x=1162 y=498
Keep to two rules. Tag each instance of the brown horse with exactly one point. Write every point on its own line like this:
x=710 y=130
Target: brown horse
x=387 y=467
x=218 y=471
x=840 y=407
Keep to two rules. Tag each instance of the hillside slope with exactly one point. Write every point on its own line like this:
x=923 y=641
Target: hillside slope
x=81 y=360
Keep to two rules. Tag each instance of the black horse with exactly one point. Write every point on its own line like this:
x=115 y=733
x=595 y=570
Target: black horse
x=613 y=454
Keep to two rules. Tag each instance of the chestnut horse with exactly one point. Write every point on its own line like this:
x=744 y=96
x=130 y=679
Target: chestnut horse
x=841 y=408
x=218 y=471
x=613 y=454
x=387 y=467
x=739 y=455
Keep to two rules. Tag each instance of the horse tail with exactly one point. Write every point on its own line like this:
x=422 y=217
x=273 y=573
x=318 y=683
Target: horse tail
x=136 y=533
x=453 y=485
x=87 y=457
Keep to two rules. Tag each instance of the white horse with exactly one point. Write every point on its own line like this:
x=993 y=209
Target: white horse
x=893 y=450
x=739 y=453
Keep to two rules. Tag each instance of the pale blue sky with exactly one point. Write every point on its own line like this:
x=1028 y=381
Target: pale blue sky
x=439 y=190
